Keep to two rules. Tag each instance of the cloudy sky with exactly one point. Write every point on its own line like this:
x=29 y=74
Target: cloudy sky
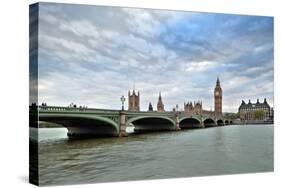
x=92 y=55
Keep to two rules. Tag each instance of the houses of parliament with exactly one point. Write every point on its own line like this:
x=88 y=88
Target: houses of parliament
x=189 y=107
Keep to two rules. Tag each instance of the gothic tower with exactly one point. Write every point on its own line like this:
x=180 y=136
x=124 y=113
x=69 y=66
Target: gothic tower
x=218 y=98
x=134 y=101
x=188 y=108
x=150 y=107
x=160 y=105
x=197 y=109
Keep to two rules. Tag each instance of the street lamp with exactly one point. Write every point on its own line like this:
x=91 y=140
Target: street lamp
x=122 y=100
x=177 y=118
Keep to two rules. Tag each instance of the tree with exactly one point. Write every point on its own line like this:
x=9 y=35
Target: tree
x=231 y=115
x=258 y=114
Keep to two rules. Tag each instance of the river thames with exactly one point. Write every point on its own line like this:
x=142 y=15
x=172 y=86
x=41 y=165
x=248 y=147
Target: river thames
x=187 y=153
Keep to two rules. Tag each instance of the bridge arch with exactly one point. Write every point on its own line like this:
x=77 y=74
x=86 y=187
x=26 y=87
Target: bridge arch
x=189 y=123
x=83 y=124
x=209 y=122
x=220 y=122
x=226 y=122
x=151 y=123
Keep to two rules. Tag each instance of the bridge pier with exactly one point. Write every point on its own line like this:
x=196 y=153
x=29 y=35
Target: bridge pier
x=177 y=123
x=202 y=124
x=122 y=128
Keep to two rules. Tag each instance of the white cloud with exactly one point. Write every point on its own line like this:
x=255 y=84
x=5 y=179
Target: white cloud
x=80 y=28
x=263 y=48
x=130 y=62
x=48 y=18
x=136 y=43
x=140 y=21
x=198 y=66
x=158 y=51
x=55 y=43
x=235 y=81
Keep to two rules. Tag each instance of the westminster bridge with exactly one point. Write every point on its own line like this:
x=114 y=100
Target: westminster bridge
x=90 y=122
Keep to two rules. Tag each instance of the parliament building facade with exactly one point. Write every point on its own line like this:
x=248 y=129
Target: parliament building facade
x=255 y=111
x=189 y=107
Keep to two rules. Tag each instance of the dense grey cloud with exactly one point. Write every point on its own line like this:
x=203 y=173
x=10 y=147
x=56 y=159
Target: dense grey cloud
x=92 y=55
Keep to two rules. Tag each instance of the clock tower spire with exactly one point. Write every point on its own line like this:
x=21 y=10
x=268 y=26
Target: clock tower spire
x=218 y=98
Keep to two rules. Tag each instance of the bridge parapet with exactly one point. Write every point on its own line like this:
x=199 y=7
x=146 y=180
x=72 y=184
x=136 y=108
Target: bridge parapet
x=73 y=109
x=83 y=109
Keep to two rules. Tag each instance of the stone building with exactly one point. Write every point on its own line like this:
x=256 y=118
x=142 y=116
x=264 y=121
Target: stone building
x=134 y=101
x=188 y=107
x=193 y=108
x=197 y=107
x=160 y=105
x=255 y=111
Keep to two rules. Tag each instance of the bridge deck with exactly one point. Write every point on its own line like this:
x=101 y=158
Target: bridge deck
x=81 y=120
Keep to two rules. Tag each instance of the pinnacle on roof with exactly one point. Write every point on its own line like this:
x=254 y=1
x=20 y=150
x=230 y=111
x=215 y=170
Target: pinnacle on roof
x=218 y=81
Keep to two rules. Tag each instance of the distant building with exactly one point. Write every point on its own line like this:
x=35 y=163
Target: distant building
x=134 y=101
x=160 y=105
x=255 y=111
x=197 y=107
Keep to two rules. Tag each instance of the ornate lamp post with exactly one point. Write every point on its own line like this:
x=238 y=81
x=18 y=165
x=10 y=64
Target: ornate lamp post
x=123 y=100
x=177 y=118
x=122 y=130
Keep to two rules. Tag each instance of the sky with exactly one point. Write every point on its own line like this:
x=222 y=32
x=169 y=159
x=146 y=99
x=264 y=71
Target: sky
x=92 y=55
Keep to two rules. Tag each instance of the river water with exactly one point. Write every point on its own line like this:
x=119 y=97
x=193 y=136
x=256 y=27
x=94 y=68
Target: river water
x=187 y=153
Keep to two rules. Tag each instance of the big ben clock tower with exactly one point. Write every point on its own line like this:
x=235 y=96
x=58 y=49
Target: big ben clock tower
x=218 y=98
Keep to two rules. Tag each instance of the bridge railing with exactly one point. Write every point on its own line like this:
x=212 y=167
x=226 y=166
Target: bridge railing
x=55 y=108
x=84 y=109
x=60 y=108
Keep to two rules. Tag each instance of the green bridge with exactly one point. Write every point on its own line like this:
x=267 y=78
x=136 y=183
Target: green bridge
x=90 y=122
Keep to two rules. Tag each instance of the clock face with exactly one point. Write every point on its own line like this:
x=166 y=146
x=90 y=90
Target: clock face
x=217 y=93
